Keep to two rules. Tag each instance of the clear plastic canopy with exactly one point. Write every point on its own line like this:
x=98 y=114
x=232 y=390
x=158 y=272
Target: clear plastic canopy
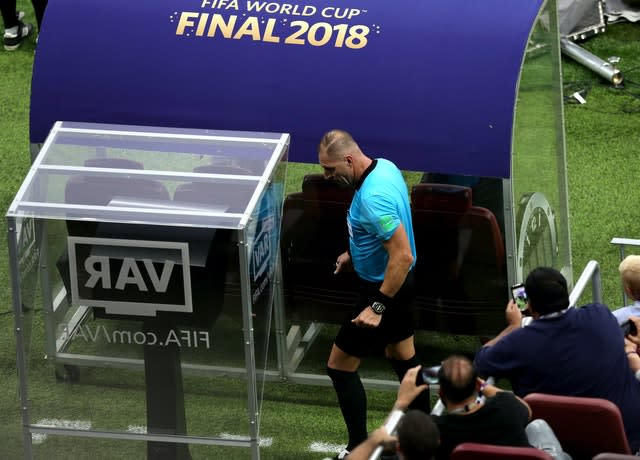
x=148 y=165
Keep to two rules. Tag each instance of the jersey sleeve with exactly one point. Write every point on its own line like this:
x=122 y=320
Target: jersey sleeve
x=380 y=216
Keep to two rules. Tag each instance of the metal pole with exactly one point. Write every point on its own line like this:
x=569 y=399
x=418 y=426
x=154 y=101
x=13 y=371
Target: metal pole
x=390 y=425
x=591 y=61
x=624 y=293
x=280 y=323
x=21 y=345
x=590 y=274
x=249 y=345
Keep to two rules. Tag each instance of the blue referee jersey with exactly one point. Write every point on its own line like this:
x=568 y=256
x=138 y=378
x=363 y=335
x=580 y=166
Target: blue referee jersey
x=380 y=204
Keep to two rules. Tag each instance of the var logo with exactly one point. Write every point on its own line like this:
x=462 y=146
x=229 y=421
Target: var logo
x=261 y=251
x=130 y=277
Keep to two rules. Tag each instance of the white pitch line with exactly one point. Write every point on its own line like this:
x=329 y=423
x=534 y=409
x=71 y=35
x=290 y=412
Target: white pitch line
x=39 y=438
x=138 y=429
x=262 y=442
x=317 y=446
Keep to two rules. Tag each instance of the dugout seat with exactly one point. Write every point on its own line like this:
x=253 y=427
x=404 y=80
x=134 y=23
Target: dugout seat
x=235 y=194
x=314 y=233
x=584 y=426
x=99 y=190
x=477 y=451
x=461 y=279
x=612 y=456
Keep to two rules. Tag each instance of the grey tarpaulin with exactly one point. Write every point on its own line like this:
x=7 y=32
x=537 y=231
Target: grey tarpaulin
x=578 y=15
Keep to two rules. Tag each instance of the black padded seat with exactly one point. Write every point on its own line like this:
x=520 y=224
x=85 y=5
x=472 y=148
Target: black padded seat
x=460 y=272
x=314 y=233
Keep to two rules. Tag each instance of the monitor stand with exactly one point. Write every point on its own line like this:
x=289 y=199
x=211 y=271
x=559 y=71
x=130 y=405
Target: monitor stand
x=164 y=394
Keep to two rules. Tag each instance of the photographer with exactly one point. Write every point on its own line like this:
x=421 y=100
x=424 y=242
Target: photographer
x=483 y=413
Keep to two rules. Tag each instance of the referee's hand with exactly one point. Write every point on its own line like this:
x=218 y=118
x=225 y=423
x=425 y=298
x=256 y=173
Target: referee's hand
x=367 y=318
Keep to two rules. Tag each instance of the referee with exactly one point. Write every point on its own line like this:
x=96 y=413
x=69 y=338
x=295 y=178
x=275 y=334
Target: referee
x=382 y=252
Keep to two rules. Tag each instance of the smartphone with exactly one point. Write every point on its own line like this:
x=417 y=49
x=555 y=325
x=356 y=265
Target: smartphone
x=519 y=296
x=428 y=375
x=629 y=327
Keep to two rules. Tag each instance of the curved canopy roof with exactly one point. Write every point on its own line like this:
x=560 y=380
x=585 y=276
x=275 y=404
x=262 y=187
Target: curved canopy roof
x=429 y=84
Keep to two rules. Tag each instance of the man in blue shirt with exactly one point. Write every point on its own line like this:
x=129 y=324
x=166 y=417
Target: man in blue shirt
x=382 y=253
x=564 y=351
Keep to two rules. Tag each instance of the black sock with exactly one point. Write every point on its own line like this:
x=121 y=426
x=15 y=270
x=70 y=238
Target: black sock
x=353 y=404
x=423 y=400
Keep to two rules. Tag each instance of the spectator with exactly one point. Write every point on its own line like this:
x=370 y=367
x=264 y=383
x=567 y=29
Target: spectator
x=15 y=31
x=629 y=270
x=564 y=351
x=498 y=417
x=416 y=438
x=417 y=434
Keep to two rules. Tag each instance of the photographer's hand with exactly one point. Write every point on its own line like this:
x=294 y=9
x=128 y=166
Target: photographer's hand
x=513 y=314
x=408 y=390
x=487 y=389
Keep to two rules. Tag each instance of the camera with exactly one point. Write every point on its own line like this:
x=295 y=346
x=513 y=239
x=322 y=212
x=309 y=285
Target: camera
x=629 y=327
x=427 y=375
x=519 y=296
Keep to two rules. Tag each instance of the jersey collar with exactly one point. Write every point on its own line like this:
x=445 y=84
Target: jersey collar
x=366 y=173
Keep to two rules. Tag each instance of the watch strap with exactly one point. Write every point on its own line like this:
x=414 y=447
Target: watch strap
x=382 y=298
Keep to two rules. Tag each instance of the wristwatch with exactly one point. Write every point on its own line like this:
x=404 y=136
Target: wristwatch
x=378 y=307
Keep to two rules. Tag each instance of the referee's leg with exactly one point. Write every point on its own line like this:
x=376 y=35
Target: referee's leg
x=342 y=368
x=402 y=357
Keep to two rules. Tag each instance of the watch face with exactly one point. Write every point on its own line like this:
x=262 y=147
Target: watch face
x=537 y=242
x=378 y=307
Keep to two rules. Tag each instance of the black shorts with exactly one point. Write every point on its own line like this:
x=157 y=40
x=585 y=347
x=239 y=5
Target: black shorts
x=396 y=324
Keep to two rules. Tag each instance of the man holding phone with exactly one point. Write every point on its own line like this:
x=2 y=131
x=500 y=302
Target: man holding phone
x=564 y=350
